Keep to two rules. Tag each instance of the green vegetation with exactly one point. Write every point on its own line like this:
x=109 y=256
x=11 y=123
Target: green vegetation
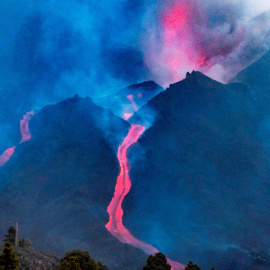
x=72 y=263
x=73 y=260
x=157 y=262
x=80 y=260
x=8 y=259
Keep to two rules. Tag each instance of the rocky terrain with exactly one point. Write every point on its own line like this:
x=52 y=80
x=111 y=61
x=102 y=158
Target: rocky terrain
x=31 y=259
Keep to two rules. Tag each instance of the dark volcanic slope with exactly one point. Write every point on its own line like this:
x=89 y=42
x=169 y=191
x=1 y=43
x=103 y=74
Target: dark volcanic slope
x=60 y=183
x=201 y=189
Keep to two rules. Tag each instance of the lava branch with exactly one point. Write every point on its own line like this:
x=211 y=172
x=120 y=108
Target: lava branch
x=123 y=184
x=24 y=126
x=4 y=158
x=25 y=136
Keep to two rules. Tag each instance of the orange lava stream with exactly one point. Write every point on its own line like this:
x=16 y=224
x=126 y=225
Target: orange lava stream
x=4 y=158
x=24 y=126
x=123 y=184
x=25 y=133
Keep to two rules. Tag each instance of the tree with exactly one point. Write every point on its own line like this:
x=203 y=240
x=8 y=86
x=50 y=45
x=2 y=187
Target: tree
x=72 y=263
x=84 y=259
x=192 y=266
x=10 y=236
x=100 y=266
x=157 y=262
x=25 y=243
x=9 y=259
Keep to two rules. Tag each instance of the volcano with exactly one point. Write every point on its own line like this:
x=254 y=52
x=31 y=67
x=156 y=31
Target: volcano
x=198 y=175
x=203 y=178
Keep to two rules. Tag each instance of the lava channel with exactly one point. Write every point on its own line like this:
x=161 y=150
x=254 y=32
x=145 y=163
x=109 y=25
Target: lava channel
x=24 y=126
x=123 y=184
x=4 y=158
x=25 y=134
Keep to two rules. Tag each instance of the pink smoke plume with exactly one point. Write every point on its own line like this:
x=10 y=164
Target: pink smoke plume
x=193 y=35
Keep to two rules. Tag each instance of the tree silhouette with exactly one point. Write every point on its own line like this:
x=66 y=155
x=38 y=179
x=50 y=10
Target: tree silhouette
x=11 y=235
x=25 y=243
x=192 y=266
x=9 y=259
x=157 y=262
x=72 y=263
x=100 y=266
x=81 y=259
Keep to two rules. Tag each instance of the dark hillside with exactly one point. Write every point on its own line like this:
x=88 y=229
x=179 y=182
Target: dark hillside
x=202 y=185
x=59 y=184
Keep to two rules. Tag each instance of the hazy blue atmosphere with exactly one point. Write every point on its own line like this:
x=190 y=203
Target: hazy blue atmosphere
x=53 y=49
x=199 y=173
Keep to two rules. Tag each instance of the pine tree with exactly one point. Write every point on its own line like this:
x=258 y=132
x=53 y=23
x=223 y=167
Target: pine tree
x=9 y=259
x=11 y=235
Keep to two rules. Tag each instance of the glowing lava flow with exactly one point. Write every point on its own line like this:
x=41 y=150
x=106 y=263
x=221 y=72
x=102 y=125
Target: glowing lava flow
x=4 y=158
x=133 y=107
x=123 y=184
x=24 y=126
x=25 y=133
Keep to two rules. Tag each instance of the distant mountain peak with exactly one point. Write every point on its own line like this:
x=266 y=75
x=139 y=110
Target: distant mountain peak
x=130 y=98
x=194 y=74
x=148 y=85
x=201 y=79
x=196 y=78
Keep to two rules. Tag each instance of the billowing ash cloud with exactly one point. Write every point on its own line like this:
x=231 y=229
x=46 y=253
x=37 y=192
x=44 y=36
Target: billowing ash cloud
x=56 y=48
x=53 y=49
x=218 y=38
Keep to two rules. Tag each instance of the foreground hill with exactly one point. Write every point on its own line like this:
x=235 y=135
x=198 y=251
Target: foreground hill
x=58 y=185
x=201 y=187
